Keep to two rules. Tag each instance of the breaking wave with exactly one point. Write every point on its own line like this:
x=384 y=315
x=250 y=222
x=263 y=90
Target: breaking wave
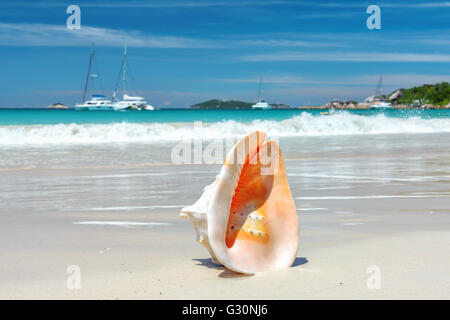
x=342 y=123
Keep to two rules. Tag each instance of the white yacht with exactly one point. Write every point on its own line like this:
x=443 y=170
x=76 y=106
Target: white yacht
x=96 y=103
x=381 y=104
x=132 y=103
x=379 y=101
x=128 y=102
x=261 y=104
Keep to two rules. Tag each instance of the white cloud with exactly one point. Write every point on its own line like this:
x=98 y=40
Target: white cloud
x=229 y=3
x=365 y=4
x=288 y=43
x=327 y=93
x=370 y=80
x=403 y=80
x=159 y=4
x=420 y=5
x=184 y=4
x=276 y=80
x=323 y=16
x=27 y=34
x=348 y=57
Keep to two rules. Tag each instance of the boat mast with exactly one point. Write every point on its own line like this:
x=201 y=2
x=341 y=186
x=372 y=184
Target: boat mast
x=124 y=78
x=379 y=91
x=259 y=89
x=88 y=73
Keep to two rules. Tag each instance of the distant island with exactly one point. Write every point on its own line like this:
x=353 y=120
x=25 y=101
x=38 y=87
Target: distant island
x=427 y=96
x=222 y=104
x=434 y=96
x=231 y=104
x=57 y=105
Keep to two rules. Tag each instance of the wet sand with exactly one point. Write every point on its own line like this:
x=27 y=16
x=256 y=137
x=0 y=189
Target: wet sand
x=381 y=201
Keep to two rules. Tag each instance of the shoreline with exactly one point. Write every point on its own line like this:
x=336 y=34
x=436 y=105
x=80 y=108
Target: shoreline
x=307 y=107
x=368 y=108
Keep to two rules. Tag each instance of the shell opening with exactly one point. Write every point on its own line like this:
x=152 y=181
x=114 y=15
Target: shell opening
x=246 y=214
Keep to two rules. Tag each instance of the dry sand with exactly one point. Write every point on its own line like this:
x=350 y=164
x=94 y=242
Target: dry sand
x=389 y=210
x=411 y=267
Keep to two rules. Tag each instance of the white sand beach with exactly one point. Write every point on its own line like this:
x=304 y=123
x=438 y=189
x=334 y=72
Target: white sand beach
x=112 y=210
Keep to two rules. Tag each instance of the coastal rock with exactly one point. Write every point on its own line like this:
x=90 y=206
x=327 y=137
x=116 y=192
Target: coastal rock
x=363 y=105
x=57 y=106
x=312 y=107
x=336 y=104
x=280 y=106
x=396 y=95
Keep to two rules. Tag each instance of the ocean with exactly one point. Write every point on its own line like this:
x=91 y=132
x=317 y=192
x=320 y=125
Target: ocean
x=69 y=127
x=69 y=138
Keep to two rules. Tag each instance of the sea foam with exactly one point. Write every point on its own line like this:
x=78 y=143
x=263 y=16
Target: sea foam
x=340 y=123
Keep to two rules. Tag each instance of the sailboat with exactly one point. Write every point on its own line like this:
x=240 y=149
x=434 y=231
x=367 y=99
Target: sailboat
x=380 y=102
x=261 y=104
x=97 y=102
x=128 y=102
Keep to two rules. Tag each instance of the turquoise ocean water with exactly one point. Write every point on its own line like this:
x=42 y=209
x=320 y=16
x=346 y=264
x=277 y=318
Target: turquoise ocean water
x=69 y=138
x=43 y=117
x=31 y=127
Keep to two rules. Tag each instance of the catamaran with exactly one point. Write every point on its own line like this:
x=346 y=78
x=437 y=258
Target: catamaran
x=128 y=102
x=97 y=102
x=379 y=101
x=261 y=104
x=131 y=103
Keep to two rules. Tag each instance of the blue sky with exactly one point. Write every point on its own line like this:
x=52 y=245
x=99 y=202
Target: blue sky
x=183 y=52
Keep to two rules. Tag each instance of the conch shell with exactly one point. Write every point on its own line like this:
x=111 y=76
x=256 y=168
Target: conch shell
x=247 y=218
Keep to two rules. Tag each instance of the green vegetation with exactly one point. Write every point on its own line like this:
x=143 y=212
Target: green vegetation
x=220 y=104
x=437 y=95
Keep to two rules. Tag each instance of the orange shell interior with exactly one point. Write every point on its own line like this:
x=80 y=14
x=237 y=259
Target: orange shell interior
x=247 y=214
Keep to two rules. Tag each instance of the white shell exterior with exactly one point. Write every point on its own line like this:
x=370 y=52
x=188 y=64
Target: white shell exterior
x=209 y=216
x=197 y=215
